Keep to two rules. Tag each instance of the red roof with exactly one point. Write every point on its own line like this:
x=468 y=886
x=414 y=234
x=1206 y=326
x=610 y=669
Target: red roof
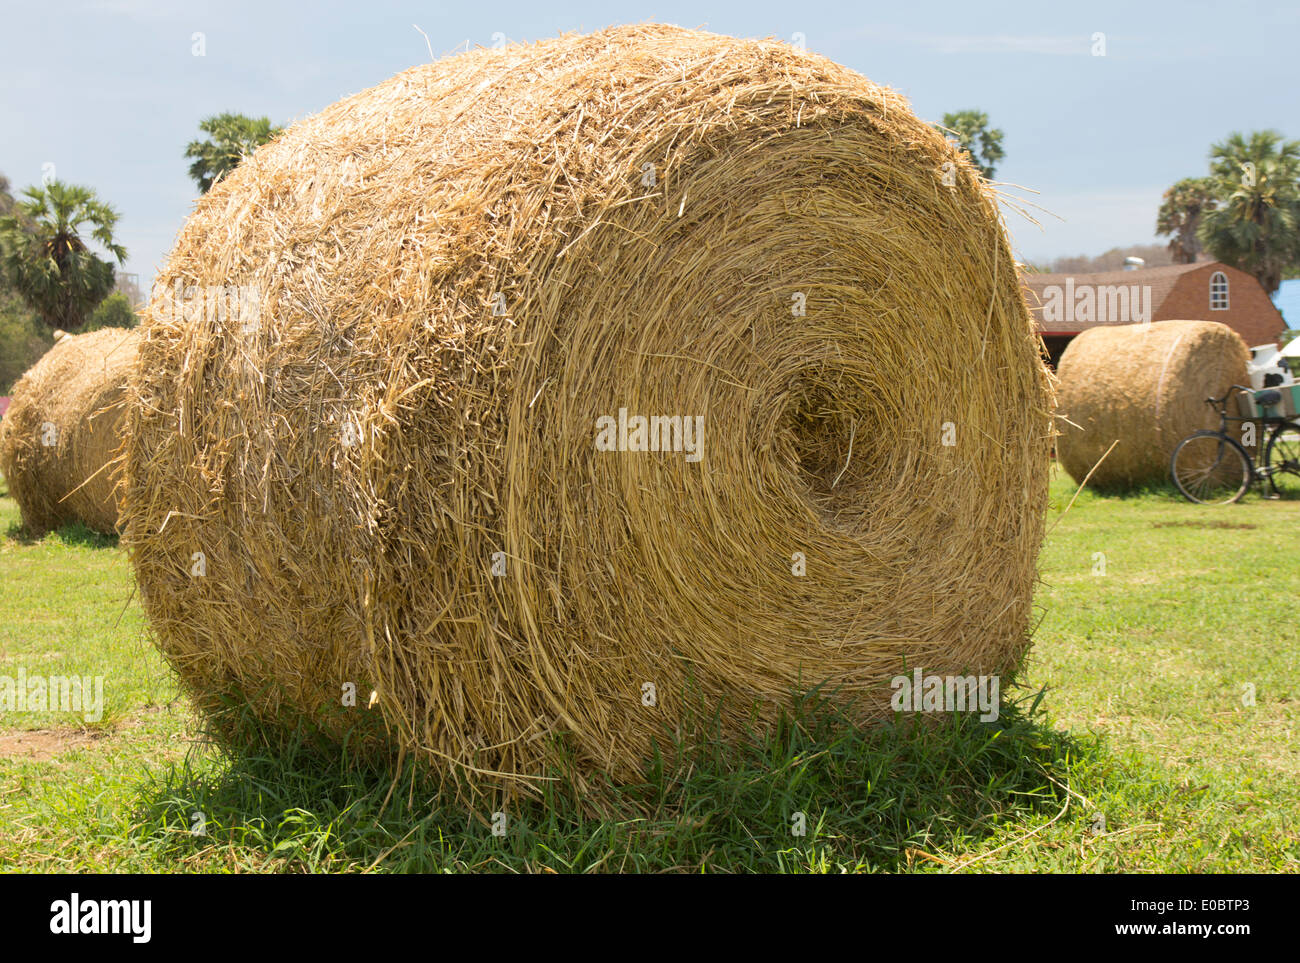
x=1161 y=281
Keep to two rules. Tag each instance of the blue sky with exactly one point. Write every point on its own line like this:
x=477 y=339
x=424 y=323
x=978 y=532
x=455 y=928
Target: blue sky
x=109 y=91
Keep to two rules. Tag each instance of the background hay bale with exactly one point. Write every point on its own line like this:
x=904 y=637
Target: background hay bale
x=62 y=429
x=1144 y=385
x=390 y=468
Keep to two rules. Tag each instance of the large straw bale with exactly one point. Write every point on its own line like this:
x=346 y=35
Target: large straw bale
x=387 y=474
x=1143 y=386
x=62 y=429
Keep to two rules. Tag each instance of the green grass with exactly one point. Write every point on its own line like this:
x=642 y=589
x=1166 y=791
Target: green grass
x=1126 y=747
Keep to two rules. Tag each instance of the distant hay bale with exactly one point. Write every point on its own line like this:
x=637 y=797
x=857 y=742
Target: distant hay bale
x=383 y=468
x=62 y=428
x=1143 y=385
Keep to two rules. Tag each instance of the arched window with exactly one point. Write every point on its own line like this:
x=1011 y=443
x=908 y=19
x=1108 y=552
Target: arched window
x=1218 y=291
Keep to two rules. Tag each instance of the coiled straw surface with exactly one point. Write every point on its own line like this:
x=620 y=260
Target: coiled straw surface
x=392 y=474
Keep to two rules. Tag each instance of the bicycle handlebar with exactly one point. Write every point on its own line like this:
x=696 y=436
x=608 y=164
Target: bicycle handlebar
x=1224 y=399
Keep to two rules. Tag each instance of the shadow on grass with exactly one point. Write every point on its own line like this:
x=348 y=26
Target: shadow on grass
x=871 y=800
x=1157 y=491
x=1165 y=491
x=73 y=534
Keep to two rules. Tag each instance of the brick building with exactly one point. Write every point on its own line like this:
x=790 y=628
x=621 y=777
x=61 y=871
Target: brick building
x=1065 y=304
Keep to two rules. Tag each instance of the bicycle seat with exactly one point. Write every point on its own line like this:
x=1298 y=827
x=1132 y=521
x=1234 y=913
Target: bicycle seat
x=1268 y=399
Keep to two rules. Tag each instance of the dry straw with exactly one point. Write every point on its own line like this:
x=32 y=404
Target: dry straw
x=58 y=438
x=1143 y=386
x=391 y=471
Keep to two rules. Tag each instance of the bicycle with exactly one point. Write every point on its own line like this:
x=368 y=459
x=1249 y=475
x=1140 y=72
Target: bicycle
x=1213 y=468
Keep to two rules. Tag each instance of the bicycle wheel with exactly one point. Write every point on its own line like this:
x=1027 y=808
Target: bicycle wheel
x=1210 y=468
x=1282 y=460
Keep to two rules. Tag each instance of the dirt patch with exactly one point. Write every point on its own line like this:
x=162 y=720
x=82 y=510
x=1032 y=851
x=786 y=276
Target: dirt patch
x=1213 y=524
x=39 y=745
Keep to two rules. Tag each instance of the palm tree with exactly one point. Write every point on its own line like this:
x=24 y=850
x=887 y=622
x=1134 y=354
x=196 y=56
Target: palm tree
x=45 y=259
x=1256 y=225
x=231 y=137
x=6 y=199
x=1180 y=216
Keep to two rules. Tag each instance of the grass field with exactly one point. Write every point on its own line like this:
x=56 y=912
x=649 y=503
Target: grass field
x=1130 y=743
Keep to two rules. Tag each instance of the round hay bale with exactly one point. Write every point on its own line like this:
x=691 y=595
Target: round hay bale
x=410 y=465
x=1143 y=385
x=62 y=429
